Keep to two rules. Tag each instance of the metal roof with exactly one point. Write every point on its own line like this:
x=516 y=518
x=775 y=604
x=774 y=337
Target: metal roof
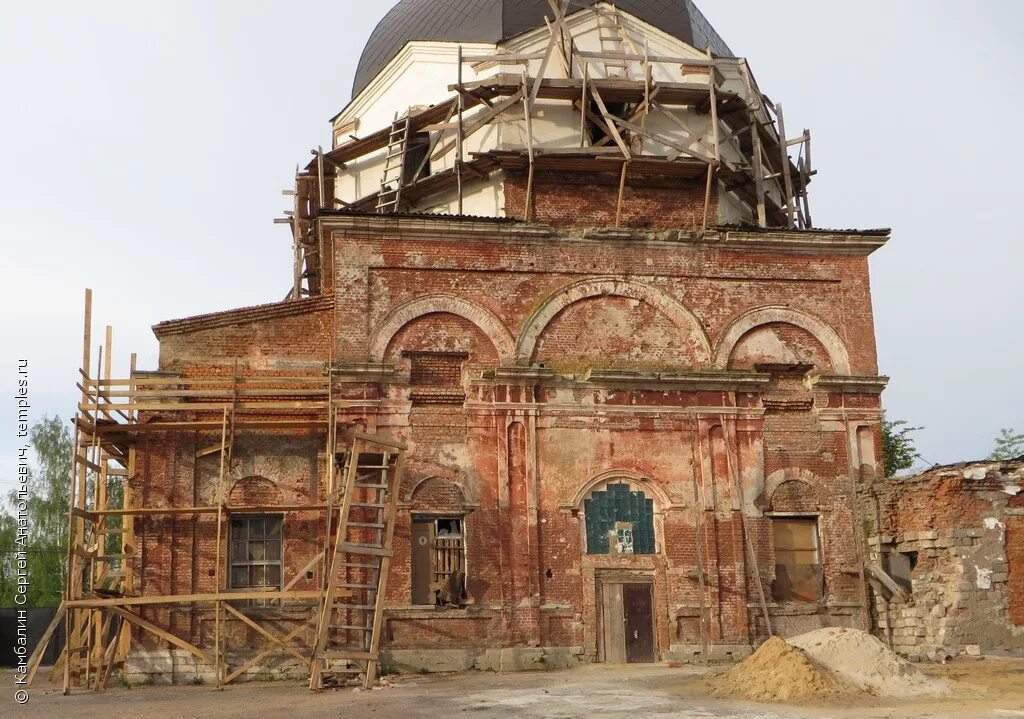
x=497 y=20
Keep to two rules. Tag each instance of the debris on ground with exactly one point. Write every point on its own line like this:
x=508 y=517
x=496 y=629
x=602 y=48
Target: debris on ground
x=780 y=672
x=863 y=661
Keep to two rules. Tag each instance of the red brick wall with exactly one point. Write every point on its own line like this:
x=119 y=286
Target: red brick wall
x=566 y=199
x=519 y=452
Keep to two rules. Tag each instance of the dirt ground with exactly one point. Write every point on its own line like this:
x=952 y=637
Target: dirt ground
x=983 y=689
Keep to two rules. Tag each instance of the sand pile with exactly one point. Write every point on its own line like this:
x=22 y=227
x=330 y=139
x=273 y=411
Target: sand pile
x=864 y=662
x=779 y=672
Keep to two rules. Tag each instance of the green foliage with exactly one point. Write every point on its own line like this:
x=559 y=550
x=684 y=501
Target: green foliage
x=1009 y=445
x=49 y=481
x=898 y=447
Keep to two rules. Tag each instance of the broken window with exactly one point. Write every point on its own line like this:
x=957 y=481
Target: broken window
x=619 y=521
x=255 y=556
x=798 y=572
x=416 y=153
x=438 y=561
x=597 y=126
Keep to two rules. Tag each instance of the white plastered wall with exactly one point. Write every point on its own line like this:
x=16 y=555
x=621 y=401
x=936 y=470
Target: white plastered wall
x=421 y=74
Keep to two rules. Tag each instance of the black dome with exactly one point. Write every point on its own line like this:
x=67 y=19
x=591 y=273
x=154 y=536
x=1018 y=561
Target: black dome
x=497 y=20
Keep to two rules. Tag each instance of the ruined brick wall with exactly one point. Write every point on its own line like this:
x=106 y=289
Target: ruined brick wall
x=286 y=338
x=957 y=526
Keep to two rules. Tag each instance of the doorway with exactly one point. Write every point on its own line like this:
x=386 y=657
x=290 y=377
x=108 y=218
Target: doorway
x=627 y=622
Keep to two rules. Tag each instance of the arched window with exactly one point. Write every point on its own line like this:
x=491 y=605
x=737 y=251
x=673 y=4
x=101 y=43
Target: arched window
x=619 y=521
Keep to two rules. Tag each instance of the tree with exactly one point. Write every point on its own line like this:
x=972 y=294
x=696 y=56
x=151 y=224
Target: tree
x=898 y=446
x=1009 y=445
x=48 y=484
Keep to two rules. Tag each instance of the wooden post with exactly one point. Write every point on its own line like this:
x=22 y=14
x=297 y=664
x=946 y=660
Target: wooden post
x=698 y=496
x=758 y=151
x=87 y=333
x=786 y=176
x=584 y=104
x=733 y=463
x=528 y=114
x=622 y=192
x=217 y=562
x=458 y=137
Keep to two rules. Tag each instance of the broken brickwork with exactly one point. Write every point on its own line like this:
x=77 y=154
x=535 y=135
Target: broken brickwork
x=953 y=539
x=730 y=380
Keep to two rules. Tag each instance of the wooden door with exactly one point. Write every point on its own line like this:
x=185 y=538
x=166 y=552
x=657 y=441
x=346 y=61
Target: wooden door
x=638 y=621
x=422 y=536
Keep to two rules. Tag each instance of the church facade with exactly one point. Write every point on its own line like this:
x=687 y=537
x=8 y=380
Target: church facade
x=637 y=386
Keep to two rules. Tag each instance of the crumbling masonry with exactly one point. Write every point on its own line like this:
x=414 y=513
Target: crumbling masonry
x=565 y=266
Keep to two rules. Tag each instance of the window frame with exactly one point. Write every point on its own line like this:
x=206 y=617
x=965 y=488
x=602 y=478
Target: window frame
x=265 y=538
x=586 y=514
x=433 y=551
x=813 y=518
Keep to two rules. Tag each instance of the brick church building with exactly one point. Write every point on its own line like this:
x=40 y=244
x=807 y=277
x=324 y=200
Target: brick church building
x=566 y=256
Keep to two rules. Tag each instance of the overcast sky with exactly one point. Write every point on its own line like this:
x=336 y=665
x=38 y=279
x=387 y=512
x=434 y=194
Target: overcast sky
x=144 y=147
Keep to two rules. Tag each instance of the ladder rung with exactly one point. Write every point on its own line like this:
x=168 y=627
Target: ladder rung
x=357 y=607
x=366 y=524
x=372 y=486
x=351 y=627
x=368 y=504
x=346 y=585
x=348 y=654
x=356 y=548
x=362 y=565
x=342 y=670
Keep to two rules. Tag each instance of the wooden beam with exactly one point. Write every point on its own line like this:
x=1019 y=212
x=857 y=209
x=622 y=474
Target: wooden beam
x=161 y=633
x=267 y=652
x=266 y=633
x=610 y=123
x=44 y=641
x=190 y=599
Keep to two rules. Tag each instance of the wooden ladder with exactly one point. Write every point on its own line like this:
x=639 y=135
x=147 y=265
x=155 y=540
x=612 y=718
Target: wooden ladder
x=610 y=30
x=394 y=166
x=347 y=644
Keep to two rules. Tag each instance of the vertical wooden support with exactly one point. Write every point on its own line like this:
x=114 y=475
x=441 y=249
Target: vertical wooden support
x=218 y=660
x=787 y=178
x=528 y=115
x=733 y=463
x=755 y=132
x=460 y=129
x=698 y=496
x=622 y=193
x=87 y=333
x=707 y=196
x=584 y=104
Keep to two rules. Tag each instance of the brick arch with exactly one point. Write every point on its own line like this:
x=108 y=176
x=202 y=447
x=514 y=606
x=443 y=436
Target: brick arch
x=488 y=323
x=635 y=479
x=752 y=319
x=608 y=286
x=254 y=491
x=417 y=473
x=437 y=493
x=788 y=481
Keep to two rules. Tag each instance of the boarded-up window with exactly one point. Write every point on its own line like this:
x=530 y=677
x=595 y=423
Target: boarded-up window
x=436 y=377
x=619 y=521
x=798 y=572
x=255 y=556
x=438 y=561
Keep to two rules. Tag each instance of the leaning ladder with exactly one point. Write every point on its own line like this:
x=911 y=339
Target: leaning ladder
x=348 y=633
x=394 y=166
x=610 y=30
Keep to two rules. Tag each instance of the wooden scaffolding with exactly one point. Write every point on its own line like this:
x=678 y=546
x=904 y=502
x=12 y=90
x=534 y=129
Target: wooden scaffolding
x=103 y=606
x=719 y=125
